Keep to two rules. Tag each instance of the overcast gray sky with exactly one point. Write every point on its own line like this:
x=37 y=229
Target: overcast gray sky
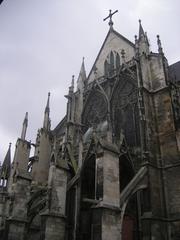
x=42 y=43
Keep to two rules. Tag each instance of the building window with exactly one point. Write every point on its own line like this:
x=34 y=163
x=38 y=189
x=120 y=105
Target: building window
x=111 y=64
x=1 y=182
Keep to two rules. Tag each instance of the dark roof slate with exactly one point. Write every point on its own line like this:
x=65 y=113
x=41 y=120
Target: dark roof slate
x=6 y=166
x=174 y=72
x=60 y=128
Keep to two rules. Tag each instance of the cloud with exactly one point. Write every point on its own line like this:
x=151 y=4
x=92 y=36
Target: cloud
x=42 y=44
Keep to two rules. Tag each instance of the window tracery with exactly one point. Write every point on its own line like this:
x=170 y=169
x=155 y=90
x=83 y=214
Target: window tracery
x=124 y=111
x=95 y=109
x=112 y=63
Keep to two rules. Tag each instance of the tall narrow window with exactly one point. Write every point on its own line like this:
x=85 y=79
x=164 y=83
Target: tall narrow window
x=117 y=61
x=111 y=64
x=106 y=68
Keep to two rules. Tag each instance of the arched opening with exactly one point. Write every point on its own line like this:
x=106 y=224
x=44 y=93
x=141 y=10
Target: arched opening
x=126 y=171
x=3 y=182
x=52 y=159
x=130 y=226
x=112 y=60
x=88 y=178
x=70 y=212
x=78 y=207
x=117 y=61
x=35 y=206
x=88 y=192
x=106 y=68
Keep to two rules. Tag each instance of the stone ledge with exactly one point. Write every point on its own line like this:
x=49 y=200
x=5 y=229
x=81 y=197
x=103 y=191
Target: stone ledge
x=109 y=146
x=20 y=173
x=16 y=219
x=151 y=217
x=165 y=167
x=107 y=206
x=24 y=142
x=51 y=214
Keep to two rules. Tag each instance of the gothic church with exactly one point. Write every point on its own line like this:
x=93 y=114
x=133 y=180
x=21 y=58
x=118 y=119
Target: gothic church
x=110 y=169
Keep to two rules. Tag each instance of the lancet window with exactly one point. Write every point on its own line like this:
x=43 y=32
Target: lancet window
x=111 y=64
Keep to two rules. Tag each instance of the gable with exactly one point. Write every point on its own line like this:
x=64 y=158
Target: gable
x=113 y=42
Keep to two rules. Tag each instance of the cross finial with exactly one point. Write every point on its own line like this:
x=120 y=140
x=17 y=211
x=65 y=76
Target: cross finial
x=110 y=17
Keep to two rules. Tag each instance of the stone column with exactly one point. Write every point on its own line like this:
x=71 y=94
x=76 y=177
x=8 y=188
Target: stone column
x=17 y=220
x=40 y=168
x=53 y=220
x=2 y=212
x=16 y=229
x=106 y=215
x=54 y=226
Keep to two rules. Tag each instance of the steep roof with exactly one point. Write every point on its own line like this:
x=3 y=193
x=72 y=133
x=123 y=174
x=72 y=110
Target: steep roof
x=174 y=71
x=6 y=166
x=60 y=128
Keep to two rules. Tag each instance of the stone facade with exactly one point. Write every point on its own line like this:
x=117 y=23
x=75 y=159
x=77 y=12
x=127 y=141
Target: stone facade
x=110 y=169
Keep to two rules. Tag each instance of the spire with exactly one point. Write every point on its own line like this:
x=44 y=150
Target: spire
x=24 y=128
x=46 y=124
x=6 y=166
x=71 y=88
x=136 y=45
x=160 y=49
x=142 y=34
x=47 y=109
x=141 y=30
x=72 y=82
x=82 y=76
x=142 y=43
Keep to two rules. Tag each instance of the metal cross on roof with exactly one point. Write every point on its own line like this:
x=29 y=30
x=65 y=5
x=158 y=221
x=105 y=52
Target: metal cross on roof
x=110 y=17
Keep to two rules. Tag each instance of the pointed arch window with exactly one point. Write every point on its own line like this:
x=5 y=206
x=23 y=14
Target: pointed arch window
x=106 y=68
x=117 y=61
x=111 y=64
x=3 y=182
